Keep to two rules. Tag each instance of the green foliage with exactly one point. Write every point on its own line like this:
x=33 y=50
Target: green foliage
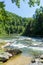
x=30 y=2
x=17 y=2
x=11 y=23
x=2 y=5
x=35 y=26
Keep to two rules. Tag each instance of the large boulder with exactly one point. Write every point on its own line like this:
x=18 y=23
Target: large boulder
x=5 y=55
x=14 y=51
x=2 y=59
x=41 y=56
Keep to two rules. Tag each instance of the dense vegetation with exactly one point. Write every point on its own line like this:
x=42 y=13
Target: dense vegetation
x=11 y=23
x=35 y=27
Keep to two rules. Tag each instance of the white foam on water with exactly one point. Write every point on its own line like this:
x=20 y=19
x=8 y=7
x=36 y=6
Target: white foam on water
x=37 y=48
x=37 y=40
x=19 y=45
x=36 y=43
x=28 y=47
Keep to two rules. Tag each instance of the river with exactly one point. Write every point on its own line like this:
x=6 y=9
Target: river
x=26 y=44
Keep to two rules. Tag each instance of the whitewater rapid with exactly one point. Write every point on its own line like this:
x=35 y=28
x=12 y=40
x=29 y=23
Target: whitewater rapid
x=28 y=47
x=26 y=42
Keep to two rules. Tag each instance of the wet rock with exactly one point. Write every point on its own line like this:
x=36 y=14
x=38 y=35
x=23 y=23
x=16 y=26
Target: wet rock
x=14 y=51
x=2 y=59
x=33 y=61
x=41 y=57
x=4 y=56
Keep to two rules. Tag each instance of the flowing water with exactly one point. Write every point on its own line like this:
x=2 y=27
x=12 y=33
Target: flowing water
x=26 y=44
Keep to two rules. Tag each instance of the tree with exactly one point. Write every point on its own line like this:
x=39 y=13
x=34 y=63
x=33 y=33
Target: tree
x=2 y=5
x=1 y=10
x=38 y=12
x=30 y=2
x=2 y=14
x=38 y=21
x=11 y=23
x=27 y=30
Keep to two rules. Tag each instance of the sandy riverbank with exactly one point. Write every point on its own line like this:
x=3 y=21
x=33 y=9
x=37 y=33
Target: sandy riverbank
x=18 y=60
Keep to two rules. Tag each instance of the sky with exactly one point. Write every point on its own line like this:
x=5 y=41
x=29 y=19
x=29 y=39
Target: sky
x=23 y=11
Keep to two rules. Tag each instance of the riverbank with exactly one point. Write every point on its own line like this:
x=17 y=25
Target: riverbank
x=18 y=60
x=22 y=43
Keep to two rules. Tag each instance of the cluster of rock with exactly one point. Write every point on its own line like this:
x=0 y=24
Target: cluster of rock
x=4 y=56
x=40 y=59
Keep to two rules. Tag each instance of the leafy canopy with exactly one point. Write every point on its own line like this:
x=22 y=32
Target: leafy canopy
x=30 y=2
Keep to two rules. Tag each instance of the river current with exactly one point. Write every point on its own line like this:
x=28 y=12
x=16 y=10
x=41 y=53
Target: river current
x=26 y=44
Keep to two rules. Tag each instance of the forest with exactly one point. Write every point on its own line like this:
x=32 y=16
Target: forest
x=11 y=23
